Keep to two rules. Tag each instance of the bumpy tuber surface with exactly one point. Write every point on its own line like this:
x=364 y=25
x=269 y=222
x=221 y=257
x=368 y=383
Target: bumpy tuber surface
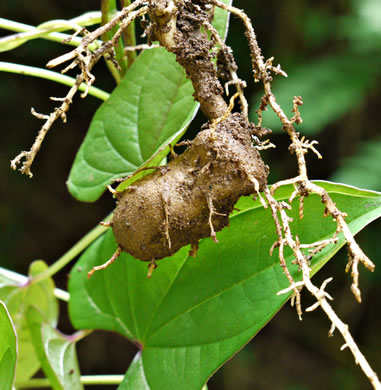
x=191 y=197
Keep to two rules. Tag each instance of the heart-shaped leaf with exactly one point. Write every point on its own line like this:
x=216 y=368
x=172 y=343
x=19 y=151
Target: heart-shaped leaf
x=150 y=108
x=18 y=298
x=56 y=353
x=8 y=349
x=194 y=314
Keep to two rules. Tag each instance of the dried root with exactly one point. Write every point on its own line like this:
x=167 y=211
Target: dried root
x=85 y=60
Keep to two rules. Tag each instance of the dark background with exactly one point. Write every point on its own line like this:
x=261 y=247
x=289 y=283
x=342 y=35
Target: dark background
x=331 y=51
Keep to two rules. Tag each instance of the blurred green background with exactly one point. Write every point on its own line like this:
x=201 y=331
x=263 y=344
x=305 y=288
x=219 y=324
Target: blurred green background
x=331 y=51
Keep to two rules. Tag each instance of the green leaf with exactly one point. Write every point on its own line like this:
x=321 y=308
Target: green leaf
x=221 y=20
x=362 y=169
x=18 y=298
x=8 y=349
x=195 y=313
x=321 y=84
x=56 y=353
x=136 y=378
x=150 y=108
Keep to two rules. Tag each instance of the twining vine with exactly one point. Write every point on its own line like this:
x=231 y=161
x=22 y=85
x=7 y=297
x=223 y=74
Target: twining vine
x=184 y=28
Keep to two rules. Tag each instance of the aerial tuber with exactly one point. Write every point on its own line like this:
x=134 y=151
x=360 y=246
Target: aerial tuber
x=191 y=197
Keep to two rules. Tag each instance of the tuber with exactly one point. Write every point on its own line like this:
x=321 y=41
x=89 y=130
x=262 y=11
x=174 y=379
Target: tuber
x=191 y=197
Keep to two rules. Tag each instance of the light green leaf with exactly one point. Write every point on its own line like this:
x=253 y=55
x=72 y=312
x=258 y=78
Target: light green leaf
x=150 y=108
x=56 y=353
x=18 y=298
x=195 y=313
x=8 y=349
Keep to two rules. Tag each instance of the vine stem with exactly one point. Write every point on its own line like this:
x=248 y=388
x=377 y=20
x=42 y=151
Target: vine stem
x=129 y=37
x=73 y=252
x=50 y=75
x=24 y=280
x=47 y=30
x=85 y=60
x=85 y=380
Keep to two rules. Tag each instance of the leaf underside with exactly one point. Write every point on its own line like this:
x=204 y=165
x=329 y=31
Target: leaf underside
x=8 y=349
x=56 y=353
x=19 y=298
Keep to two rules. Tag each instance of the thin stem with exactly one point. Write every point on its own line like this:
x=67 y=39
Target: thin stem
x=129 y=36
x=85 y=60
x=62 y=295
x=118 y=65
x=80 y=335
x=50 y=75
x=47 y=31
x=73 y=252
x=23 y=280
x=86 y=380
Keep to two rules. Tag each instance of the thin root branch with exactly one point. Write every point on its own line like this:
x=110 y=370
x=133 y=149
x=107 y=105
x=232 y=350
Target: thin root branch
x=151 y=267
x=106 y=264
x=212 y=212
x=85 y=59
x=166 y=221
x=106 y=224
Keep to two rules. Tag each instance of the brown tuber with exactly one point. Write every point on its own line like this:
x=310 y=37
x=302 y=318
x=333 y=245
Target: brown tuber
x=191 y=197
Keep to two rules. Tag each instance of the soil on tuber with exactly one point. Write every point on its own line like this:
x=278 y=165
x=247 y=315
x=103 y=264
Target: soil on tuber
x=191 y=197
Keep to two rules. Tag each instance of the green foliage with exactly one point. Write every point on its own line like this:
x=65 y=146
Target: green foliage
x=327 y=90
x=363 y=169
x=339 y=79
x=151 y=108
x=221 y=20
x=19 y=298
x=55 y=351
x=194 y=314
x=8 y=349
